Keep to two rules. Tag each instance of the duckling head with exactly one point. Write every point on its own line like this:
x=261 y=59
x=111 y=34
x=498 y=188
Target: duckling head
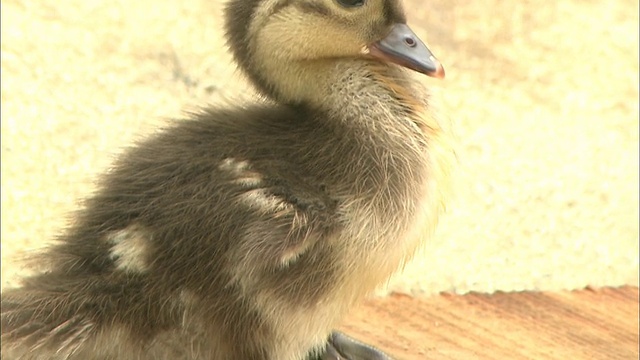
x=292 y=49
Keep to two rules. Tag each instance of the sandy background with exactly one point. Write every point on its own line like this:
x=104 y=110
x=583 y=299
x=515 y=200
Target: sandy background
x=543 y=95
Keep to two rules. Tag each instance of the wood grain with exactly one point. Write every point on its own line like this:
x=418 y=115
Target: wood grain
x=586 y=324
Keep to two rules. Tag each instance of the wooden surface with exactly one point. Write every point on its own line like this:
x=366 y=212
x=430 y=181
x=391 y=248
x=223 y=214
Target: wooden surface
x=587 y=324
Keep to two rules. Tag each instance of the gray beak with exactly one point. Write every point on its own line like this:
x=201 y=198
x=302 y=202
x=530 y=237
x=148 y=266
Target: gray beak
x=401 y=46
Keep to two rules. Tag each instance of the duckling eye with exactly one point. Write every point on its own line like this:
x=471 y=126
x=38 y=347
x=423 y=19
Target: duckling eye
x=351 y=3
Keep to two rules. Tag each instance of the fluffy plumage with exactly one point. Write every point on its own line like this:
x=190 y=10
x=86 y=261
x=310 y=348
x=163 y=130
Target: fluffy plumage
x=247 y=233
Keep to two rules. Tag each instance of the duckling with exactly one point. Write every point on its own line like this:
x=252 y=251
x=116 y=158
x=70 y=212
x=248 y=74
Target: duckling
x=248 y=232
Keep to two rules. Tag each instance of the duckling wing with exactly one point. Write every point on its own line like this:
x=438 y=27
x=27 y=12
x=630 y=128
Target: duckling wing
x=214 y=211
x=226 y=187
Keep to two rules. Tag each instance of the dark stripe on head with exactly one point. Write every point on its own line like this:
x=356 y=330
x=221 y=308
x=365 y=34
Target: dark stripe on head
x=238 y=17
x=393 y=12
x=280 y=6
x=315 y=8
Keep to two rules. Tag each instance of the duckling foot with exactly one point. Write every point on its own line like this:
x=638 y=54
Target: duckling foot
x=343 y=347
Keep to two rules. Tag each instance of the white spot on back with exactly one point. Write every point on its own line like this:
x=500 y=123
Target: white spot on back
x=129 y=250
x=261 y=200
x=240 y=171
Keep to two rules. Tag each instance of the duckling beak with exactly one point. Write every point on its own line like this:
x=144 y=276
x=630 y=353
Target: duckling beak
x=403 y=47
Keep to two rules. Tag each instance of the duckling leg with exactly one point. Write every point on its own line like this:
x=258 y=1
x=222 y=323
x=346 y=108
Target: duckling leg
x=343 y=347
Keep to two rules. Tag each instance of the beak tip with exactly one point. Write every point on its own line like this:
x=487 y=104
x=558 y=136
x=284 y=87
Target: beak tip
x=439 y=73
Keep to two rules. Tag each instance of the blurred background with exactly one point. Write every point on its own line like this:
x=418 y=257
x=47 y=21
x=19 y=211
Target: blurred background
x=543 y=97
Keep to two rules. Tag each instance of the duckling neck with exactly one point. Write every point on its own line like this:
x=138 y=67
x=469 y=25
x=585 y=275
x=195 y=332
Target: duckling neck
x=358 y=92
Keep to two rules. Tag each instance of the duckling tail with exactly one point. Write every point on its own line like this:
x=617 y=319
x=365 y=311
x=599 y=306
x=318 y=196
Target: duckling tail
x=41 y=322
